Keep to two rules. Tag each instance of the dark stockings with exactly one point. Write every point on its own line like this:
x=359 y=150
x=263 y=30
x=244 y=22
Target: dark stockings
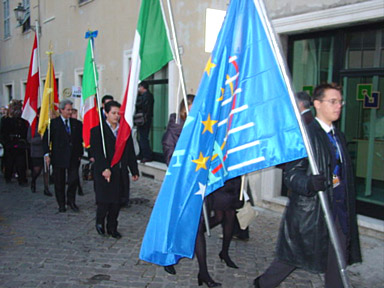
x=227 y=219
x=36 y=171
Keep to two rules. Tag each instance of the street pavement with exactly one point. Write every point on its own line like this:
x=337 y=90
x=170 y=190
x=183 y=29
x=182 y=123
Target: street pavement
x=40 y=247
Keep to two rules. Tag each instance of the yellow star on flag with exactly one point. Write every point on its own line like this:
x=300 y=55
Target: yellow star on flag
x=208 y=124
x=201 y=162
x=209 y=66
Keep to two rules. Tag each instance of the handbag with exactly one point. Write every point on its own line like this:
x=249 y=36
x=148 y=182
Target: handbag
x=139 y=119
x=87 y=171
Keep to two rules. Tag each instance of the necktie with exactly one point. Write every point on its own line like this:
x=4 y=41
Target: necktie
x=67 y=127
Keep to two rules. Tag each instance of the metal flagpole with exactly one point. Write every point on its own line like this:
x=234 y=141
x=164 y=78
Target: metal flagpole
x=38 y=59
x=177 y=54
x=323 y=200
x=181 y=76
x=97 y=97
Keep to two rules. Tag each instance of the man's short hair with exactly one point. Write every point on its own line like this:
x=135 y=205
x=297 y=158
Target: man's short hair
x=318 y=93
x=108 y=106
x=106 y=98
x=64 y=102
x=144 y=84
x=304 y=98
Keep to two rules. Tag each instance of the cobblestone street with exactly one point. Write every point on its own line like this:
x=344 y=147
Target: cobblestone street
x=40 y=247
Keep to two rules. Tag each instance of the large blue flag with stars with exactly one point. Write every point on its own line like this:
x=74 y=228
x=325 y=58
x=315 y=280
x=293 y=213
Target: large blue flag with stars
x=242 y=120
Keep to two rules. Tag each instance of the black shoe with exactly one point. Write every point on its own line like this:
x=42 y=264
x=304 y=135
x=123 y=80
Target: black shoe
x=170 y=269
x=209 y=283
x=227 y=260
x=23 y=184
x=74 y=207
x=256 y=282
x=47 y=192
x=100 y=229
x=115 y=234
x=80 y=191
x=33 y=187
x=62 y=209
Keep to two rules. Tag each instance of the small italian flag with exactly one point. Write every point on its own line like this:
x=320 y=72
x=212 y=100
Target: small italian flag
x=151 y=51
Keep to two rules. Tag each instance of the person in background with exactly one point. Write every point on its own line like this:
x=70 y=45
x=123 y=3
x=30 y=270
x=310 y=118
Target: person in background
x=105 y=100
x=304 y=101
x=74 y=115
x=111 y=182
x=144 y=104
x=169 y=142
x=13 y=132
x=304 y=240
x=37 y=158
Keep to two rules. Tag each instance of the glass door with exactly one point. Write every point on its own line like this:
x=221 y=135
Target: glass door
x=363 y=124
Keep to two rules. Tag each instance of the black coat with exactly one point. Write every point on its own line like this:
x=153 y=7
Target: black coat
x=303 y=239
x=171 y=136
x=66 y=150
x=144 y=104
x=111 y=192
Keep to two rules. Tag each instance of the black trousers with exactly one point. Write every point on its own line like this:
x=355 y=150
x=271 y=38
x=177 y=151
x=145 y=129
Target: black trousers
x=109 y=211
x=59 y=180
x=278 y=270
x=15 y=159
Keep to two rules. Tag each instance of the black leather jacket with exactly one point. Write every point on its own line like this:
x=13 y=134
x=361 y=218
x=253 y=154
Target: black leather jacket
x=303 y=240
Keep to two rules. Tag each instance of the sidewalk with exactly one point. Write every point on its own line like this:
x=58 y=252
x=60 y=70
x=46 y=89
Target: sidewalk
x=40 y=247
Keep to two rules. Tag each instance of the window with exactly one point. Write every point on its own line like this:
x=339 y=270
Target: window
x=8 y=92
x=7 y=31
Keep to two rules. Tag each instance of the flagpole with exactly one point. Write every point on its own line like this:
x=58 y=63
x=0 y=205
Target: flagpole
x=46 y=167
x=97 y=99
x=323 y=200
x=38 y=59
x=177 y=54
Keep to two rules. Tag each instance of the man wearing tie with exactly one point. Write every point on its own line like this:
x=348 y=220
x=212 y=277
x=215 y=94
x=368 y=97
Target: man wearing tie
x=304 y=240
x=66 y=142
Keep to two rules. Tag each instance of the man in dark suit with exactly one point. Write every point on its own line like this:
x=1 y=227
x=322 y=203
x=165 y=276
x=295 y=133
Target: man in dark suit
x=65 y=137
x=304 y=101
x=304 y=241
x=111 y=182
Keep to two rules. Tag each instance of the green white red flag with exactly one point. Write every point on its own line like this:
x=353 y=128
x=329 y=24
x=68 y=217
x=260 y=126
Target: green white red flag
x=151 y=51
x=89 y=86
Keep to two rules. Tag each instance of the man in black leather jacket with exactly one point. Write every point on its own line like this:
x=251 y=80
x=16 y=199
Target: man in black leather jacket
x=304 y=239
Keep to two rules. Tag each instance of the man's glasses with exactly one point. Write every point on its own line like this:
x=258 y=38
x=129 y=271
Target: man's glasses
x=334 y=102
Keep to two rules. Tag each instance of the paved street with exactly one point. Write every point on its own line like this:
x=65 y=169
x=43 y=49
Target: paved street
x=40 y=247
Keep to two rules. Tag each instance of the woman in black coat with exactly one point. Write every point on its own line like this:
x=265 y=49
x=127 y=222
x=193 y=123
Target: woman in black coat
x=111 y=182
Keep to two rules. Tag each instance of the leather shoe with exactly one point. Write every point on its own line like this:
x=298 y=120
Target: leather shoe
x=170 y=269
x=33 y=187
x=115 y=234
x=256 y=282
x=74 y=207
x=100 y=229
x=145 y=160
x=62 y=209
x=47 y=192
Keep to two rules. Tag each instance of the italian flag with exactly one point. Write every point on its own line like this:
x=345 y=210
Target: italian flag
x=151 y=51
x=89 y=109
x=32 y=90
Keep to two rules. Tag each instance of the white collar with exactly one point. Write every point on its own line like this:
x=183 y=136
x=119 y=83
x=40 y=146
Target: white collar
x=325 y=126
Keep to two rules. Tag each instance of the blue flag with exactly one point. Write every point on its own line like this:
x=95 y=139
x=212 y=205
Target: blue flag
x=242 y=120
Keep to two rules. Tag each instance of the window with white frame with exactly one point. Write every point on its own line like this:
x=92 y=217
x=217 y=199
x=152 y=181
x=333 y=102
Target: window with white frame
x=7 y=30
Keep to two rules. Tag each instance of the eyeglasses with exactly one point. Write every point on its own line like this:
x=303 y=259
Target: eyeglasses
x=334 y=102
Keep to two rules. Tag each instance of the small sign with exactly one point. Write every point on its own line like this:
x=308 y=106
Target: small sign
x=363 y=90
x=308 y=89
x=373 y=101
x=76 y=91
